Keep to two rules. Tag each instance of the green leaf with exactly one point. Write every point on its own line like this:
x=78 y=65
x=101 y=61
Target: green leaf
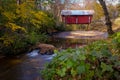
x=82 y=56
x=96 y=54
x=98 y=73
x=106 y=67
x=73 y=72
x=56 y=51
x=69 y=64
x=75 y=57
x=106 y=53
x=61 y=72
x=114 y=58
x=63 y=57
x=117 y=63
x=81 y=69
x=90 y=75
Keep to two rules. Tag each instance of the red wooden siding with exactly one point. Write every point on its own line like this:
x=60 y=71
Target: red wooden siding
x=70 y=19
x=82 y=19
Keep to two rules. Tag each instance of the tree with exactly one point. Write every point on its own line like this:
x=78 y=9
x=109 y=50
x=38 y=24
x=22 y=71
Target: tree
x=98 y=11
x=118 y=8
x=21 y=25
x=107 y=17
x=67 y=3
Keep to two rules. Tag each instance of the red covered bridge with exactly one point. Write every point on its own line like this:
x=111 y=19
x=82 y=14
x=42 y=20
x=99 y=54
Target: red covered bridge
x=77 y=16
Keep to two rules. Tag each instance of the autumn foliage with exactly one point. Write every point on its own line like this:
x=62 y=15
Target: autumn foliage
x=22 y=26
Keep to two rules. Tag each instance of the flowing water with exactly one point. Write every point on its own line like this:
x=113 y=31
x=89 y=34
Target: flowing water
x=24 y=67
x=28 y=66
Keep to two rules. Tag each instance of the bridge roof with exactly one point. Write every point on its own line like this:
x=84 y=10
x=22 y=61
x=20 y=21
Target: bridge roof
x=77 y=12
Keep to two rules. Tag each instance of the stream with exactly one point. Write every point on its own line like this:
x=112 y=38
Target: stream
x=24 y=67
x=28 y=66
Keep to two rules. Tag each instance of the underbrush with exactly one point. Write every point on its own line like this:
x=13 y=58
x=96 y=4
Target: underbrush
x=97 y=61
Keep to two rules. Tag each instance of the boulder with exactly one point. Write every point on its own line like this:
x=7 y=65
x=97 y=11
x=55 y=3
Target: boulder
x=46 y=48
x=43 y=48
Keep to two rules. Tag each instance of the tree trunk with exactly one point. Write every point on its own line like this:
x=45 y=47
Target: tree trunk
x=107 y=17
x=18 y=2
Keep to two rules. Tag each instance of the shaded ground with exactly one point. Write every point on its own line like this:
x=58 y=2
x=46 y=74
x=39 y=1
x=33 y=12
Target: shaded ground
x=96 y=35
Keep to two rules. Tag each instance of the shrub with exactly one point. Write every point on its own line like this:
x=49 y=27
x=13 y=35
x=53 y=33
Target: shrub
x=60 y=27
x=34 y=37
x=12 y=44
x=94 y=62
x=116 y=43
x=22 y=25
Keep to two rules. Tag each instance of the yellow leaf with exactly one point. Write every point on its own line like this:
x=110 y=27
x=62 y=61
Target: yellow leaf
x=15 y=27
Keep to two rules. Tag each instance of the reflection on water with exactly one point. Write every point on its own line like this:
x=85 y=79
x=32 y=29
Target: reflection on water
x=69 y=43
x=28 y=66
